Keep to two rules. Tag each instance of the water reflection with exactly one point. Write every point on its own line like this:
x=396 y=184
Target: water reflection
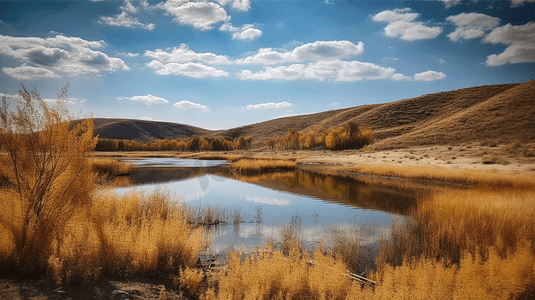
x=258 y=207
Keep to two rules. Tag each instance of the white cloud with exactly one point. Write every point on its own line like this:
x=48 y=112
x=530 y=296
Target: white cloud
x=182 y=55
x=182 y=61
x=401 y=24
x=397 y=14
x=520 y=41
x=450 y=3
x=200 y=15
x=429 y=76
x=124 y=20
x=268 y=200
x=245 y=32
x=184 y=104
x=190 y=69
x=128 y=7
x=243 y=5
x=29 y=73
x=321 y=71
x=471 y=25
x=400 y=77
x=148 y=99
x=71 y=55
x=145 y=118
x=515 y=3
x=317 y=51
x=128 y=54
x=269 y=105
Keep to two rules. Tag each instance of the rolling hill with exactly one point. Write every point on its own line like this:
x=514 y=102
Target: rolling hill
x=503 y=113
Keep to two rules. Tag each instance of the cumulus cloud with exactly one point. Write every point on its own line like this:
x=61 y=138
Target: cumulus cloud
x=200 y=15
x=190 y=69
x=402 y=24
x=148 y=99
x=183 y=61
x=269 y=105
x=30 y=73
x=125 y=20
x=520 y=41
x=400 y=77
x=184 y=104
x=268 y=200
x=71 y=55
x=128 y=54
x=429 y=76
x=317 y=51
x=450 y=3
x=183 y=54
x=336 y=70
x=243 y=5
x=245 y=32
x=471 y=25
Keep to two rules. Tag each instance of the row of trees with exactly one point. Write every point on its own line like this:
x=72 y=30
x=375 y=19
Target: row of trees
x=191 y=144
x=350 y=136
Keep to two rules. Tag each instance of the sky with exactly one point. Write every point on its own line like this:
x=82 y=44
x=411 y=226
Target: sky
x=220 y=64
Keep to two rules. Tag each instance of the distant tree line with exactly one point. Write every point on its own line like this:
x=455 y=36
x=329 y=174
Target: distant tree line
x=350 y=136
x=191 y=144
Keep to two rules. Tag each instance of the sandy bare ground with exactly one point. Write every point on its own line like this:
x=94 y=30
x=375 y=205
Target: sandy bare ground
x=501 y=158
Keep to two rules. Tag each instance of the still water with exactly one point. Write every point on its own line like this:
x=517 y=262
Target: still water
x=315 y=204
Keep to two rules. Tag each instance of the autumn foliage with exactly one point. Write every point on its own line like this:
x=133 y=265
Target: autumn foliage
x=350 y=136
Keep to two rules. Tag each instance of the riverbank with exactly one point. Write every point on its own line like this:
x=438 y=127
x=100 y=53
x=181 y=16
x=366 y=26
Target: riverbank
x=514 y=158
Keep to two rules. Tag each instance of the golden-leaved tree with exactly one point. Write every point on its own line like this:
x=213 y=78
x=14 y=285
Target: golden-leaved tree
x=45 y=173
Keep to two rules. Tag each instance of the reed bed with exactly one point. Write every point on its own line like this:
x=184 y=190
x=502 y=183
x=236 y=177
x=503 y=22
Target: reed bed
x=258 y=166
x=110 y=167
x=135 y=234
x=460 y=244
x=468 y=177
x=456 y=221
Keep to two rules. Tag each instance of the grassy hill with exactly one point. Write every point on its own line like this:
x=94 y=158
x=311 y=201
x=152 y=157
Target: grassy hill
x=144 y=131
x=502 y=113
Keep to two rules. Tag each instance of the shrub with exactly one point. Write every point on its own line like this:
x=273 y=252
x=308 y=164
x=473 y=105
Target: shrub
x=46 y=161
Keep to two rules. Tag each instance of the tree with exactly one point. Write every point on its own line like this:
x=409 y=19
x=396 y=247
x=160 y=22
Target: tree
x=49 y=177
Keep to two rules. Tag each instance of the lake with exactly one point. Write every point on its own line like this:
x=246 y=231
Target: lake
x=260 y=206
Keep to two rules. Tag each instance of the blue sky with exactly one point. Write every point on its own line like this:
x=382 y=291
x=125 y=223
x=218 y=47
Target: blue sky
x=220 y=64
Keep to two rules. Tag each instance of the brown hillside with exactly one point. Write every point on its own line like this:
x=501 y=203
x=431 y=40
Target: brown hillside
x=477 y=116
x=144 y=131
x=501 y=113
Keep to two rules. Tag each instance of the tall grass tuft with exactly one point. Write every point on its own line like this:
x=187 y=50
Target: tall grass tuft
x=110 y=167
x=257 y=166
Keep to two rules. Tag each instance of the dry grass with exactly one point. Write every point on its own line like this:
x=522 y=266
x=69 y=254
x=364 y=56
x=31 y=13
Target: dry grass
x=468 y=177
x=272 y=275
x=120 y=236
x=256 y=166
x=467 y=244
x=456 y=221
x=275 y=276
x=111 y=167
